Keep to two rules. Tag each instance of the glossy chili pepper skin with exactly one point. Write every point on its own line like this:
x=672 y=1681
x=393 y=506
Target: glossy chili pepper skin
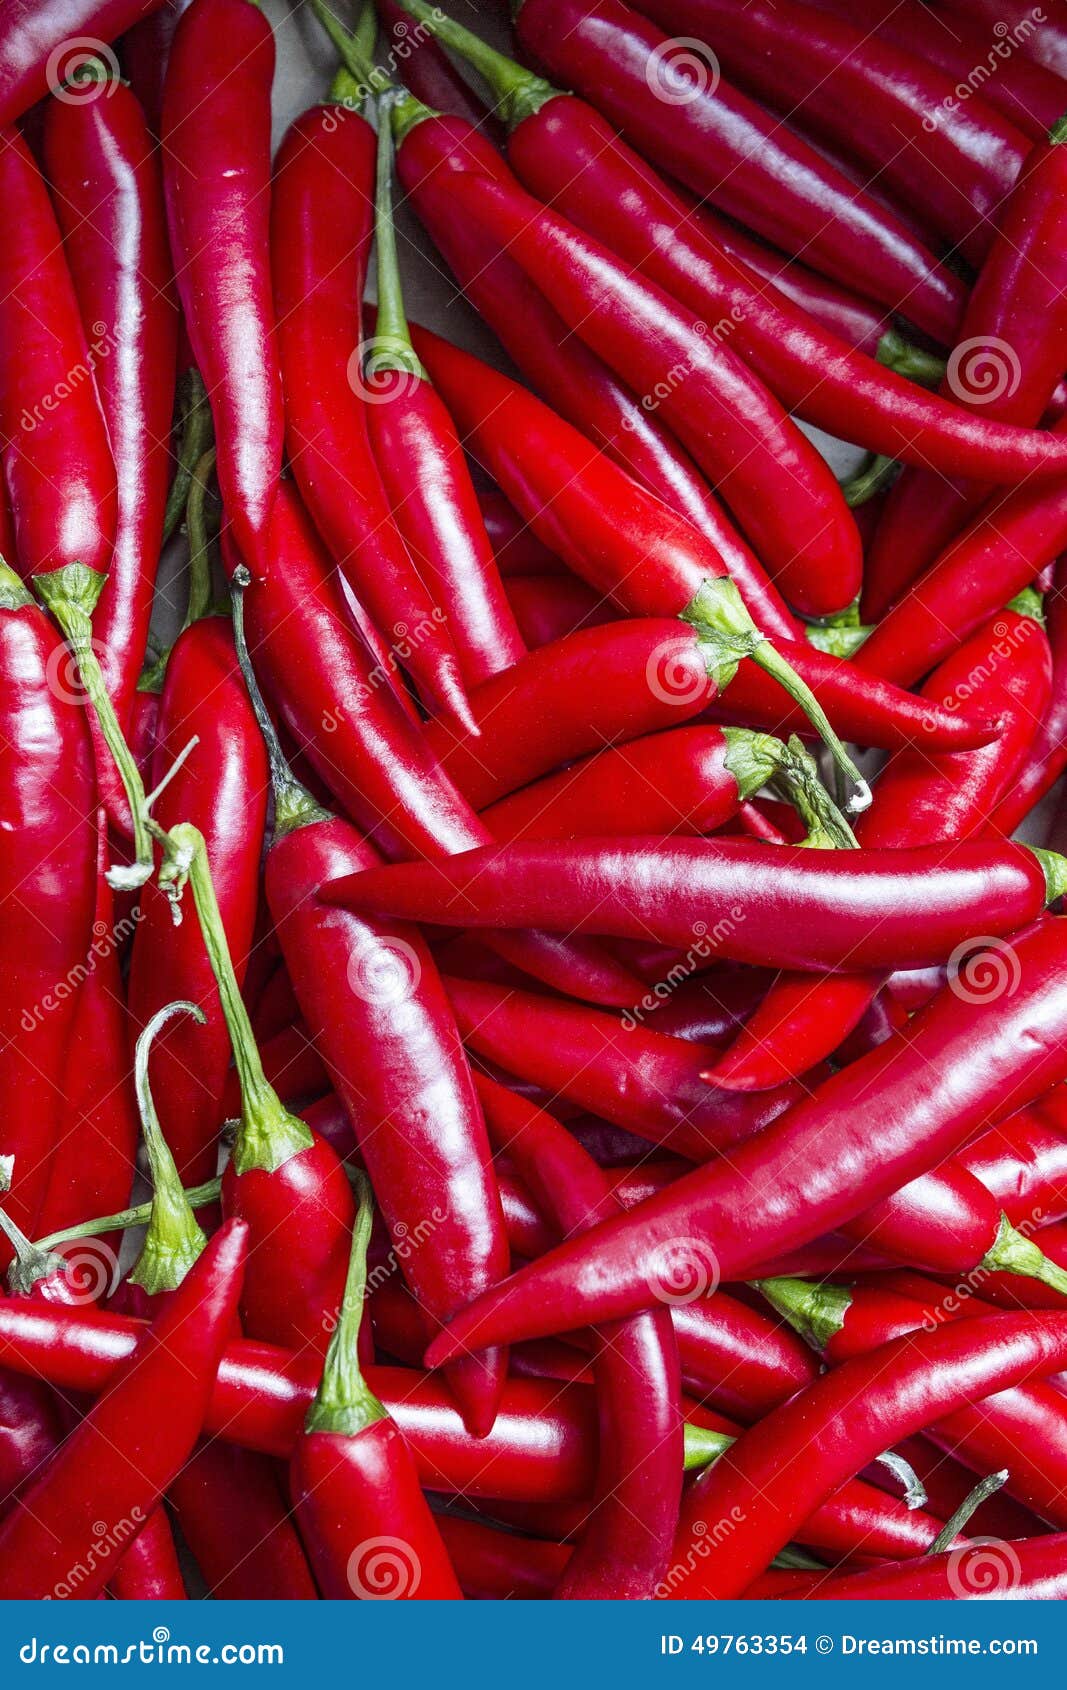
x=954 y=160
x=724 y=147
x=222 y=789
x=1046 y=46
x=801 y=1450
x=31 y=1430
x=216 y=175
x=365 y=987
x=644 y=1081
x=725 y=417
x=39 y=48
x=820 y=1165
x=821 y=910
x=57 y=460
x=567 y=155
x=108 y=194
x=1023 y=1161
x=321 y=227
x=122 y=1456
x=494 y=1565
x=1046 y=756
x=149 y=1570
x=234 y=1518
x=356 y=737
x=921 y=798
x=1032 y=1570
x=623 y=1550
x=48 y=886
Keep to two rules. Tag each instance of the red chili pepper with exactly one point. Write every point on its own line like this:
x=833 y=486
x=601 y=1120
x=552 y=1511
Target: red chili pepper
x=725 y=416
x=106 y=187
x=429 y=73
x=549 y=607
x=216 y=173
x=47 y=885
x=321 y=229
x=30 y=1433
x=726 y=148
x=637 y=1078
x=951 y=161
x=222 y=789
x=954 y=1071
x=1023 y=1161
x=149 y=1570
x=234 y=1519
x=145 y=52
x=1046 y=757
x=1030 y=1569
x=43 y=45
x=822 y=909
x=355 y=736
x=414 y=1109
x=1003 y=368
x=921 y=799
x=369 y=1531
x=123 y=1455
x=1046 y=46
x=494 y=1565
x=517 y=549
x=781 y=1469
x=623 y=1549
x=57 y=460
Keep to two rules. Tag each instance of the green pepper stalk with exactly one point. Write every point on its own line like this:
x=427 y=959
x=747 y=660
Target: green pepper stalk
x=174 y=1239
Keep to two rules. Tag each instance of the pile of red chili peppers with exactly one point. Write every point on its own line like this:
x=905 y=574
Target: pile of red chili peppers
x=534 y=1032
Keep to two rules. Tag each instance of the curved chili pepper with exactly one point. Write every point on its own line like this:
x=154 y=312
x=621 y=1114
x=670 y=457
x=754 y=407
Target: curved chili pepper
x=954 y=161
x=726 y=417
x=222 y=789
x=149 y=1570
x=355 y=736
x=1046 y=757
x=796 y=1455
x=637 y=1078
x=956 y=1069
x=47 y=885
x=623 y=1549
x=493 y=1565
x=41 y=46
x=724 y=147
x=233 y=1517
x=321 y=228
x=122 y=1456
x=920 y=799
x=1031 y=1570
x=57 y=460
x=570 y=157
x=1002 y=369
x=821 y=910
x=106 y=187
x=216 y=175
x=414 y=1110
x=355 y=1489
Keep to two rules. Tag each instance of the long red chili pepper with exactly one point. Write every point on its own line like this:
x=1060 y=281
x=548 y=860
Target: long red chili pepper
x=1023 y=1160
x=123 y=1455
x=956 y=1069
x=1046 y=756
x=414 y=1109
x=216 y=173
x=429 y=73
x=145 y=52
x=150 y=1570
x=726 y=148
x=494 y=1565
x=222 y=789
x=570 y=157
x=623 y=1549
x=30 y=1433
x=234 y=1519
x=549 y=607
x=821 y=910
x=921 y=799
x=355 y=736
x=1002 y=368
x=782 y=1468
x=47 y=883
x=1028 y=1569
x=57 y=460
x=367 y=1526
x=1046 y=45
x=952 y=161
x=108 y=194
x=43 y=45
x=321 y=227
